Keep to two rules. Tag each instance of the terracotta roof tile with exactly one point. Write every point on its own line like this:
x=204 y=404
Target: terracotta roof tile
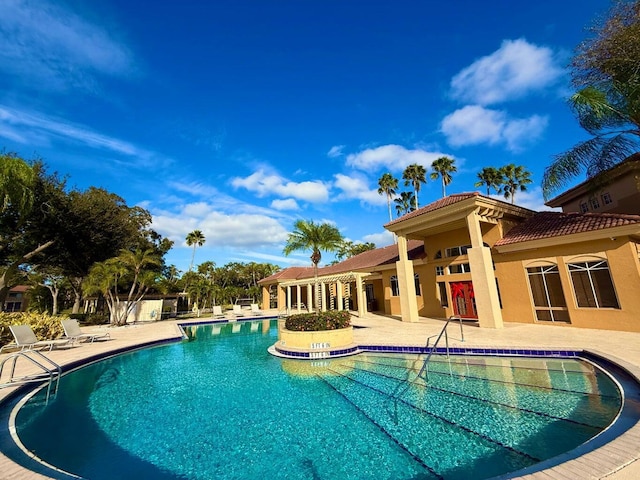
x=555 y=224
x=443 y=202
x=291 y=273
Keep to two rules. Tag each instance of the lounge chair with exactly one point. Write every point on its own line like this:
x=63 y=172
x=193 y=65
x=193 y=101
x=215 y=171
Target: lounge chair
x=72 y=332
x=237 y=311
x=26 y=339
x=255 y=309
x=217 y=312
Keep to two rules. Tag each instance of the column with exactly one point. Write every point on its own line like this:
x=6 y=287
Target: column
x=360 y=295
x=404 y=269
x=483 y=278
x=309 y=297
x=323 y=297
x=339 y=295
x=288 y=299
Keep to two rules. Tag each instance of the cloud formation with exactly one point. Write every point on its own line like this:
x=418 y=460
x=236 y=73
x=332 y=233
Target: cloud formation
x=391 y=157
x=515 y=70
x=356 y=187
x=335 y=151
x=49 y=44
x=264 y=184
x=473 y=125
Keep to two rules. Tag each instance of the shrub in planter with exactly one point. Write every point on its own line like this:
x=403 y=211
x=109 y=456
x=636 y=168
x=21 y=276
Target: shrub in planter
x=314 y=322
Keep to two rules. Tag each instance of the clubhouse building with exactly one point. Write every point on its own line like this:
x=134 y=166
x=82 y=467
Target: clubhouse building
x=489 y=261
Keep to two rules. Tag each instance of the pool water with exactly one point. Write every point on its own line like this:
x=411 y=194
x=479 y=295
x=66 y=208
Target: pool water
x=220 y=407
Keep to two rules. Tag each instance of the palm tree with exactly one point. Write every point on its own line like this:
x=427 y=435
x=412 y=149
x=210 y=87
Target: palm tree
x=404 y=203
x=387 y=185
x=197 y=239
x=491 y=178
x=308 y=235
x=514 y=178
x=443 y=167
x=414 y=175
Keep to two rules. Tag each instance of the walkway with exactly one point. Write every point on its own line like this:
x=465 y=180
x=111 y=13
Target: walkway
x=617 y=460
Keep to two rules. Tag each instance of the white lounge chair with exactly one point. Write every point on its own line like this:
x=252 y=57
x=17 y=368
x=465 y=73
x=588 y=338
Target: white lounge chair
x=255 y=309
x=72 y=332
x=26 y=339
x=237 y=311
x=216 y=312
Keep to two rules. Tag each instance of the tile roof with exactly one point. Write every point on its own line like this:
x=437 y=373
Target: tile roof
x=443 y=202
x=555 y=224
x=365 y=260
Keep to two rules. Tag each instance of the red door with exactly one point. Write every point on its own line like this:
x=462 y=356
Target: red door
x=464 y=302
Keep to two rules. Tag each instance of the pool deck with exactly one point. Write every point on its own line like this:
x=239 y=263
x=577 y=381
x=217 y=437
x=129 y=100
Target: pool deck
x=616 y=460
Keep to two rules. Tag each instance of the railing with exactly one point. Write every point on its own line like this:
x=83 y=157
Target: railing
x=47 y=370
x=443 y=332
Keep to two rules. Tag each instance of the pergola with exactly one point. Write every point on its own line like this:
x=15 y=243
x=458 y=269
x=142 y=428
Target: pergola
x=340 y=280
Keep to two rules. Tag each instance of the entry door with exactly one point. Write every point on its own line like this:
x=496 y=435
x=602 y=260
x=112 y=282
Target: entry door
x=464 y=302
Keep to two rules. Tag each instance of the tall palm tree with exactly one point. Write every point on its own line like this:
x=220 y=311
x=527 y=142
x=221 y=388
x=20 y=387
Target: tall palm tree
x=308 y=235
x=404 y=203
x=514 y=178
x=387 y=185
x=415 y=175
x=443 y=167
x=197 y=239
x=491 y=178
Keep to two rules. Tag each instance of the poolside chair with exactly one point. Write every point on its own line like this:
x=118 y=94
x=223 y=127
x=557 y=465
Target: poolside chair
x=237 y=311
x=255 y=309
x=26 y=339
x=217 y=312
x=72 y=332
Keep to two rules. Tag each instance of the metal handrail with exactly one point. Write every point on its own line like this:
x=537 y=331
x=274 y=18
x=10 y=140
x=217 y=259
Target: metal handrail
x=49 y=370
x=444 y=332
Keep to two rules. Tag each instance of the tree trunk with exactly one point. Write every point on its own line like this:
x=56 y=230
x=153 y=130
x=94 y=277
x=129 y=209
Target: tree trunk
x=7 y=277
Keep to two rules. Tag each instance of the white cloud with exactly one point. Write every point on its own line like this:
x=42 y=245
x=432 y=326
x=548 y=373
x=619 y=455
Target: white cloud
x=531 y=198
x=288 y=204
x=381 y=239
x=335 y=151
x=37 y=129
x=391 y=157
x=473 y=125
x=513 y=71
x=263 y=184
x=56 y=48
x=356 y=187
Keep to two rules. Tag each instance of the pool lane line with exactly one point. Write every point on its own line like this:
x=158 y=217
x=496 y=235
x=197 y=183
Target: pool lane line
x=406 y=449
x=450 y=422
x=475 y=377
x=484 y=400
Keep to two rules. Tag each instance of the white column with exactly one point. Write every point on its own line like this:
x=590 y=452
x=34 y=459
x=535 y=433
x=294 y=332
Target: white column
x=404 y=268
x=362 y=298
x=288 y=298
x=310 y=299
x=484 y=281
x=323 y=297
x=339 y=295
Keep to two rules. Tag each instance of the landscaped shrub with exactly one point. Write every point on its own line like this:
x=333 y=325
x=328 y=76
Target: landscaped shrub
x=313 y=322
x=44 y=325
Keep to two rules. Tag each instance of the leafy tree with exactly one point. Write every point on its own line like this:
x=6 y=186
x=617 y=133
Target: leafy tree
x=349 y=249
x=443 y=167
x=197 y=239
x=414 y=175
x=308 y=235
x=514 y=178
x=16 y=183
x=405 y=203
x=491 y=178
x=123 y=281
x=607 y=102
x=387 y=185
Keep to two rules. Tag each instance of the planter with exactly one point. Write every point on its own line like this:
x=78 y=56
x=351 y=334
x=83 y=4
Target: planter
x=314 y=345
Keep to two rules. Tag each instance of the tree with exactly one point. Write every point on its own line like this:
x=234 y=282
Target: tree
x=123 y=281
x=491 y=178
x=387 y=185
x=349 y=249
x=195 y=238
x=607 y=102
x=414 y=175
x=443 y=167
x=16 y=183
x=308 y=235
x=405 y=203
x=514 y=178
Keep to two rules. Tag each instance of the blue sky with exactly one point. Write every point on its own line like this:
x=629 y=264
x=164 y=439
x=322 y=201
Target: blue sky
x=238 y=117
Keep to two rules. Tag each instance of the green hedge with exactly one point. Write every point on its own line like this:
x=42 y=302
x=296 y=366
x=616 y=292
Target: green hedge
x=44 y=325
x=313 y=322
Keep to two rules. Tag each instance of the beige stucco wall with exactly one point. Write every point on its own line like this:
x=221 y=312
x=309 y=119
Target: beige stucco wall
x=624 y=267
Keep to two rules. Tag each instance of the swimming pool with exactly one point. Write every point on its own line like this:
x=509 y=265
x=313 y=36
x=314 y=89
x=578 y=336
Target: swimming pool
x=220 y=406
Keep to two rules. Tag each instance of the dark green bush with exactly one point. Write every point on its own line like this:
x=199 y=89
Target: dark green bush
x=313 y=322
x=44 y=325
